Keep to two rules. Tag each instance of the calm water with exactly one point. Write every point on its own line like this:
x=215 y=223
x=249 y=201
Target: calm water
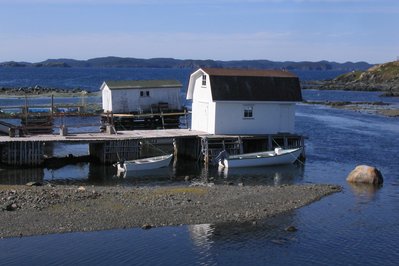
x=92 y=78
x=359 y=226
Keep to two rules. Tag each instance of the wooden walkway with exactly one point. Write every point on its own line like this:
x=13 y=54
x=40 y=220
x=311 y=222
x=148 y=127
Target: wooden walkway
x=100 y=137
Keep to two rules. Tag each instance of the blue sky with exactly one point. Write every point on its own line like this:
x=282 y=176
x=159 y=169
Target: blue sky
x=279 y=30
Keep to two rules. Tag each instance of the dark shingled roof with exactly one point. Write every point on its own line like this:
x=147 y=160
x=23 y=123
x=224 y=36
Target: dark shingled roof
x=253 y=85
x=140 y=84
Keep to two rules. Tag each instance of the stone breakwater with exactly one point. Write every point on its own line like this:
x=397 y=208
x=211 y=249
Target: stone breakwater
x=40 y=210
x=38 y=90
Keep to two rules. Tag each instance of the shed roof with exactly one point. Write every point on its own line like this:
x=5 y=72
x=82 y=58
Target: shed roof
x=247 y=72
x=140 y=84
x=253 y=85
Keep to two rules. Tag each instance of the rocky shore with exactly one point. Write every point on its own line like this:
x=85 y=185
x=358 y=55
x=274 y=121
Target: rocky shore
x=37 y=210
x=380 y=108
x=388 y=89
x=383 y=77
x=39 y=90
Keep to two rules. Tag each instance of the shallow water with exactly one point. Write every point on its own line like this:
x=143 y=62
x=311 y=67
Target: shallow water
x=359 y=226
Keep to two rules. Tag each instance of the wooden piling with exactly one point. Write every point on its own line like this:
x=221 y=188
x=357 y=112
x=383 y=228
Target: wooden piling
x=130 y=145
x=26 y=153
x=211 y=146
x=112 y=151
x=188 y=147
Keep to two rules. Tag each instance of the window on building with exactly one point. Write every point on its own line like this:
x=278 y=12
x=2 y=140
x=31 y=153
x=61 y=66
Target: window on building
x=144 y=93
x=248 y=112
x=203 y=80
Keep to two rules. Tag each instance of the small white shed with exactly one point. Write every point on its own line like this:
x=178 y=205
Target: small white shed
x=243 y=102
x=126 y=96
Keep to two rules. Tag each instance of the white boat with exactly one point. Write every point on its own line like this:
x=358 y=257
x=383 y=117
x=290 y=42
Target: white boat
x=144 y=164
x=266 y=158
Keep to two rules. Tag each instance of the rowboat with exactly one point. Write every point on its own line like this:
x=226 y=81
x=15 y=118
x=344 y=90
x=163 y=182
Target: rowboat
x=144 y=164
x=265 y=158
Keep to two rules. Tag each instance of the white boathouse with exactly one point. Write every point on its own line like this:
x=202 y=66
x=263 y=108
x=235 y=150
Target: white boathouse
x=243 y=102
x=128 y=96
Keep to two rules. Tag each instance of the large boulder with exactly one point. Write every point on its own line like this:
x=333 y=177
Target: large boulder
x=365 y=174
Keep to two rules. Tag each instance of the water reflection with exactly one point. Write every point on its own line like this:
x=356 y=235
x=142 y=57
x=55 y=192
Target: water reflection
x=21 y=176
x=269 y=232
x=148 y=177
x=179 y=171
x=271 y=175
x=364 y=192
x=72 y=171
x=228 y=240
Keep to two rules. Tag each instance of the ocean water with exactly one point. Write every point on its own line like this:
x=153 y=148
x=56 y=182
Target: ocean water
x=359 y=226
x=91 y=78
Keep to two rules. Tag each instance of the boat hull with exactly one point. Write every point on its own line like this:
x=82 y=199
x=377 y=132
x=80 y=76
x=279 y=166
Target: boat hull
x=145 y=164
x=263 y=159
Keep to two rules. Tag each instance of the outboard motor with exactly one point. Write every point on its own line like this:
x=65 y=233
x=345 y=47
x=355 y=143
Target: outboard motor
x=220 y=158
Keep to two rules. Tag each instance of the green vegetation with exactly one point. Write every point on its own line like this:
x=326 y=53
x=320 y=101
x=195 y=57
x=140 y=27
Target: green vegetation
x=383 y=77
x=180 y=190
x=387 y=72
x=351 y=76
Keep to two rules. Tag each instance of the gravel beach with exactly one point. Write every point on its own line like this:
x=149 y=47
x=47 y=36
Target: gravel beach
x=38 y=210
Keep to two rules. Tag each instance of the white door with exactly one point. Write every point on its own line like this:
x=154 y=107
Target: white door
x=206 y=117
x=200 y=117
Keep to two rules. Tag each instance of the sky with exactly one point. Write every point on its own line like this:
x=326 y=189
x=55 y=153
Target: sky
x=277 y=30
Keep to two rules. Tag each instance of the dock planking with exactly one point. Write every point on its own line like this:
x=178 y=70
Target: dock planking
x=99 y=137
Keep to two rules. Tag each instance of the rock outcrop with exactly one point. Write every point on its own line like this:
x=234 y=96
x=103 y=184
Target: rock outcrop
x=384 y=77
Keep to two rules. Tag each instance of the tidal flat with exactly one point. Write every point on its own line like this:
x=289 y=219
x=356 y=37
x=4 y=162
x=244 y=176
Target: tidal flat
x=39 y=210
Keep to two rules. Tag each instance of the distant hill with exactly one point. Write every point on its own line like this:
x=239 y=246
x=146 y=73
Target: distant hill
x=383 y=77
x=127 y=62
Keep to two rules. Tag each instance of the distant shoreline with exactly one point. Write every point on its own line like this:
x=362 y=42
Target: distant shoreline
x=39 y=91
x=129 y=62
x=77 y=92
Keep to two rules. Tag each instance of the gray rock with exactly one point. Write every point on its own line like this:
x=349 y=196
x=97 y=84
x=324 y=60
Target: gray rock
x=34 y=184
x=291 y=228
x=11 y=207
x=146 y=226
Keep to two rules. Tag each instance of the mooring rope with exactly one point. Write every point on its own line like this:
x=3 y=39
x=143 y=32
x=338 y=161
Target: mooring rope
x=155 y=147
x=296 y=159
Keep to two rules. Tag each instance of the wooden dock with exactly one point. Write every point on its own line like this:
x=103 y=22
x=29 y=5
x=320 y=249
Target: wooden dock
x=107 y=148
x=100 y=137
x=128 y=145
